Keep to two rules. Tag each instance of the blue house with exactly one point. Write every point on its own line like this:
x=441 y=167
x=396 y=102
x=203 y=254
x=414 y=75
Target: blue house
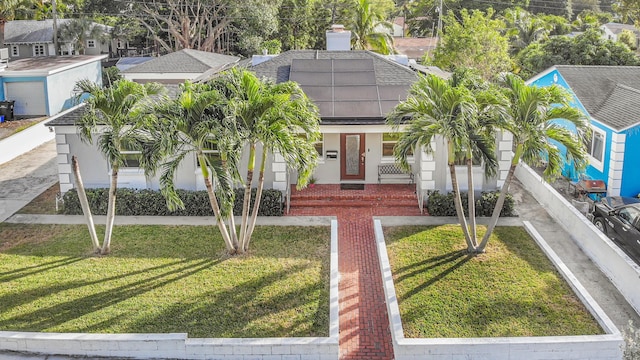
x=610 y=97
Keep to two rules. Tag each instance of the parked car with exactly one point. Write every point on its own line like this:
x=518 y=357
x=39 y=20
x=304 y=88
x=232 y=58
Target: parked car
x=619 y=218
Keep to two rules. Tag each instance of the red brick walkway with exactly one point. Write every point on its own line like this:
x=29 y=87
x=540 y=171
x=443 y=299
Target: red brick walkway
x=364 y=324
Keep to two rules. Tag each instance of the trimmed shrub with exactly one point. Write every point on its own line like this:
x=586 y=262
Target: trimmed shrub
x=131 y=202
x=443 y=204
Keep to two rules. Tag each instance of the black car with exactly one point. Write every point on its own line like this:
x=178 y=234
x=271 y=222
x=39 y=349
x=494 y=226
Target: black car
x=619 y=218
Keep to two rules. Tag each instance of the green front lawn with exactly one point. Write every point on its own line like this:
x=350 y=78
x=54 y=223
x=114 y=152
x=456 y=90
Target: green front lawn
x=162 y=279
x=511 y=290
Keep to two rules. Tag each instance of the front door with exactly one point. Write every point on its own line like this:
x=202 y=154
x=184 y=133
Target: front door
x=352 y=156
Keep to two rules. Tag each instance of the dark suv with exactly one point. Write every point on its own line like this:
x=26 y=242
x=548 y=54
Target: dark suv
x=619 y=218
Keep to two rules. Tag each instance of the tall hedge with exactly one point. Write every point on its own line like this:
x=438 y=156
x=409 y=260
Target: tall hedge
x=131 y=202
x=443 y=205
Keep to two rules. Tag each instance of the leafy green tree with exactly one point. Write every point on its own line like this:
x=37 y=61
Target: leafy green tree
x=474 y=41
x=76 y=32
x=254 y=21
x=271 y=116
x=436 y=108
x=628 y=38
x=369 y=30
x=589 y=48
x=112 y=118
x=195 y=123
x=629 y=9
x=532 y=111
x=296 y=18
x=523 y=29
x=9 y=9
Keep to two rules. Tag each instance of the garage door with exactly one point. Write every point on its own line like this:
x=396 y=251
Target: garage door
x=29 y=97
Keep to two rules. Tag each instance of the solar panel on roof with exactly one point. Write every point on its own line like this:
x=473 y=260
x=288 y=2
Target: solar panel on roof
x=311 y=65
x=350 y=65
x=311 y=78
x=354 y=78
x=356 y=93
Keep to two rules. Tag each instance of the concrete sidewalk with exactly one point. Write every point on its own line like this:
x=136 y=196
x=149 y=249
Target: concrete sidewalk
x=25 y=177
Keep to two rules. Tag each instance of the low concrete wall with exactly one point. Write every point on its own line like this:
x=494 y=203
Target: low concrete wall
x=623 y=272
x=608 y=346
x=179 y=346
x=24 y=141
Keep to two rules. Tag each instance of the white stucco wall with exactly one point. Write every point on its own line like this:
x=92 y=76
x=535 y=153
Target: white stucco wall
x=59 y=86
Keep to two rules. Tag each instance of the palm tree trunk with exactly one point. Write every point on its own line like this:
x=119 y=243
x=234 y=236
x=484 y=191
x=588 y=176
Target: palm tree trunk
x=111 y=210
x=458 y=203
x=2 y=26
x=86 y=210
x=256 y=202
x=503 y=195
x=471 y=201
x=498 y=208
x=219 y=220
x=232 y=222
x=247 y=197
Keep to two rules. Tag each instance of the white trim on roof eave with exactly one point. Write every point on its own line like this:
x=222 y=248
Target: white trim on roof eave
x=22 y=73
x=541 y=75
x=617 y=131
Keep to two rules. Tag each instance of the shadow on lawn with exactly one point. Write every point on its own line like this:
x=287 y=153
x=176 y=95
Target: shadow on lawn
x=456 y=259
x=250 y=309
x=45 y=318
x=35 y=269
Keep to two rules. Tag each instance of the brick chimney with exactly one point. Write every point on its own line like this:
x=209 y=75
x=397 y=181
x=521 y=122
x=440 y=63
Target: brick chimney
x=338 y=38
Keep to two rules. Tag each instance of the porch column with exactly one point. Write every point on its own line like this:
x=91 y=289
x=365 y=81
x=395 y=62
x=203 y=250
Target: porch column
x=616 y=164
x=505 y=154
x=65 y=175
x=279 y=172
x=426 y=171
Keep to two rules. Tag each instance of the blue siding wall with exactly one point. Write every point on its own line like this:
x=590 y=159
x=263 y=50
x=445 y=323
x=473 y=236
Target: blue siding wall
x=554 y=77
x=593 y=172
x=2 y=98
x=631 y=170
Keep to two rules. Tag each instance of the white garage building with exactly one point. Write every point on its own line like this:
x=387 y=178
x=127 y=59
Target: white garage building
x=44 y=86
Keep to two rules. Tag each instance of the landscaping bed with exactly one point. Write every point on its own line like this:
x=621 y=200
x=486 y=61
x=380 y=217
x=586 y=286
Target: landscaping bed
x=165 y=279
x=512 y=290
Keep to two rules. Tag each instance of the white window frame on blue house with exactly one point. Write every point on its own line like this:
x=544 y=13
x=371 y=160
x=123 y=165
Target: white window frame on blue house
x=597 y=134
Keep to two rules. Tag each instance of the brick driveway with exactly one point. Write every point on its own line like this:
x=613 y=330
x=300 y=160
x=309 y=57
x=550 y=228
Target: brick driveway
x=364 y=324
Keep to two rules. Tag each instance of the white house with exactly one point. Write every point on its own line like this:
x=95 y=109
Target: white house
x=354 y=91
x=612 y=30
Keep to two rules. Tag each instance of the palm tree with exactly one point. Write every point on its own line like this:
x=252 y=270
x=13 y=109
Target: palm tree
x=370 y=30
x=271 y=116
x=8 y=11
x=112 y=115
x=532 y=111
x=76 y=32
x=194 y=123
x=435 y=107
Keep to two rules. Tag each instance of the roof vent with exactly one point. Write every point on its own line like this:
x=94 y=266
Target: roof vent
x=338 y=39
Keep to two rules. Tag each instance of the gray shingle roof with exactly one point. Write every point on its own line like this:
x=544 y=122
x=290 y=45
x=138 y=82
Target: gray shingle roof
x=184 y=61
x=617 y=28
x=343 y=98
x=611 y=94
x=34 y=31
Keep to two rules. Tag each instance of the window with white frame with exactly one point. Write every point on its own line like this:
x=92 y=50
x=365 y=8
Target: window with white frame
x=91 y=44
x=595 y=146
x=15 y=50
x=131 y=158
x=389 y=142
x=38 y=50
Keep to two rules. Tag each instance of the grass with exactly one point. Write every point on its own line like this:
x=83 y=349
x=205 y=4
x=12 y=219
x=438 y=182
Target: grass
x=44 y=203
x=511 y=290
x=162 y=279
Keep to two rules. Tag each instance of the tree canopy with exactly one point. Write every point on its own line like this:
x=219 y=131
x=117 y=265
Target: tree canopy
x=474 y=41
x=589 y=48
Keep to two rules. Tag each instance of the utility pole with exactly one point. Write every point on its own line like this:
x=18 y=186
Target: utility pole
x=439 y=24
x=55 y=27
